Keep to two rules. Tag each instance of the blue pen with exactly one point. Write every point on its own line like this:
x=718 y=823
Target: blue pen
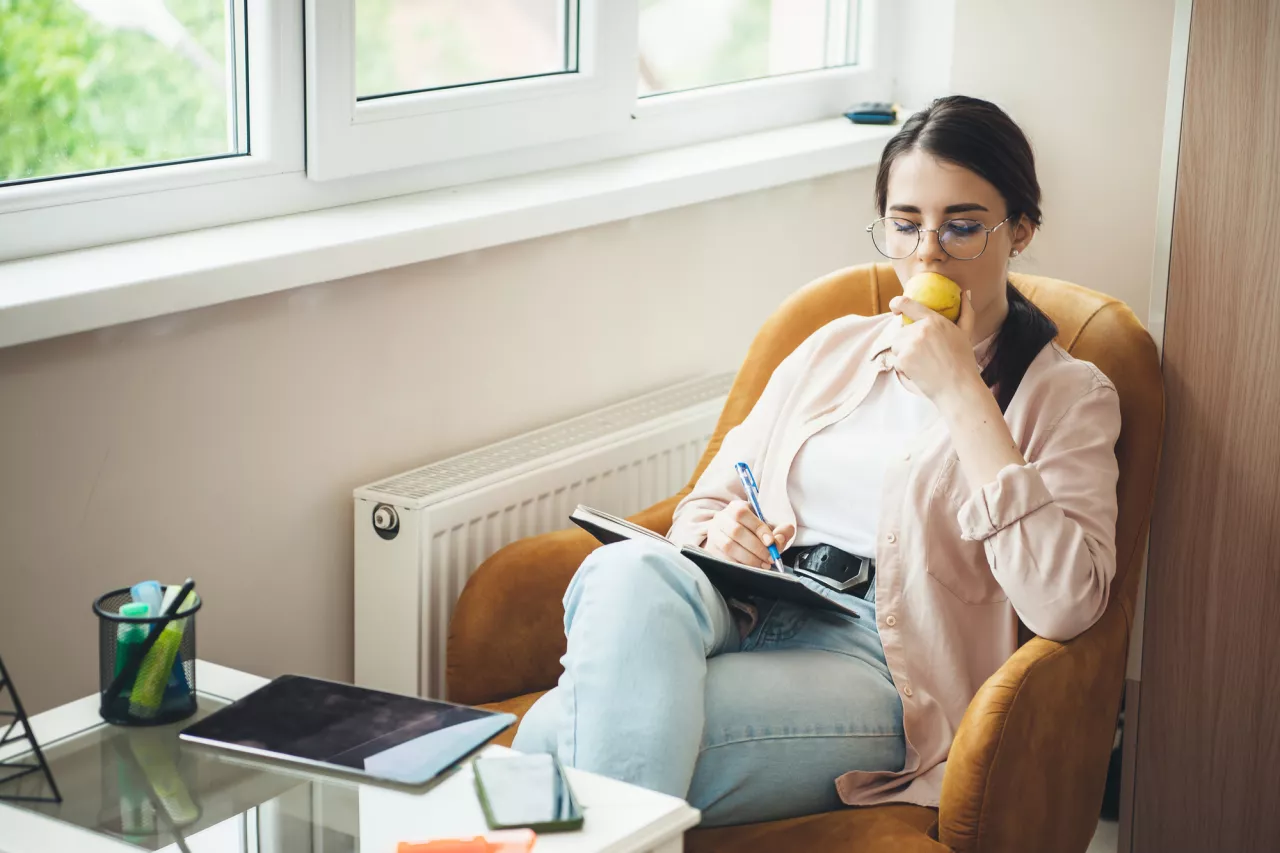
x=753 y=497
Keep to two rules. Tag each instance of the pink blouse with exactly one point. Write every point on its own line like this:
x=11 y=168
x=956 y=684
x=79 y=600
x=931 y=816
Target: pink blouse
x=957 y=564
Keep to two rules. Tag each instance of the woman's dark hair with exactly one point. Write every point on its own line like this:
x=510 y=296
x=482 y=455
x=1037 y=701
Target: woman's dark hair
x=981 y=137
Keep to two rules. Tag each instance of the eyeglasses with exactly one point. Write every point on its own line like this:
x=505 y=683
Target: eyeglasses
x=962 y=239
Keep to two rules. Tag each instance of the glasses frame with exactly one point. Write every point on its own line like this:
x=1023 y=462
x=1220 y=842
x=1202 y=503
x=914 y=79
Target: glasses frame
x=920 y=232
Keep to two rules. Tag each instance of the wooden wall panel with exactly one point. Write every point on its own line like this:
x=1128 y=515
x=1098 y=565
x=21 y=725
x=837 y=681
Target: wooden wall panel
x=1208 y=751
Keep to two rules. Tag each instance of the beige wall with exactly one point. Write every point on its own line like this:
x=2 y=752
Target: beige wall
x=1087 y=81
x=224 y=443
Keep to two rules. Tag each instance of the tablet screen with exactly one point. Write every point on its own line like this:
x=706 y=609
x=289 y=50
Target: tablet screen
x=401 y=739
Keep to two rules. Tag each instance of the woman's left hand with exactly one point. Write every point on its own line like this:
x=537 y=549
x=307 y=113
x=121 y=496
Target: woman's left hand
x=934 y=353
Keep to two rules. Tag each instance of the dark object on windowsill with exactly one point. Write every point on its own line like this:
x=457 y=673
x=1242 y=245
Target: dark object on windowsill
x=872 y=112
x=24 y=767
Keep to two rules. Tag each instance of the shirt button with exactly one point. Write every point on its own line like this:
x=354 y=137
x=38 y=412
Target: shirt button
x=891 y=538
x=907 y=691
x=906 y=457
x=891 y=620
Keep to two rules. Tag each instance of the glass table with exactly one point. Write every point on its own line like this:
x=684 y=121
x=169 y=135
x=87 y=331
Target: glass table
x=144 y=789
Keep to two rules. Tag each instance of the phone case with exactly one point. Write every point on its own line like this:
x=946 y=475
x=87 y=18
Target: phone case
x=550 y=826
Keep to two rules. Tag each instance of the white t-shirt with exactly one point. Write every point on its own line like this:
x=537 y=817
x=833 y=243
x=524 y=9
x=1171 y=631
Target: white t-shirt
x=842 y=466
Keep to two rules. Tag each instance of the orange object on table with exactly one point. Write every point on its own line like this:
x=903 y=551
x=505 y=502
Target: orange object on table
x=509 y=841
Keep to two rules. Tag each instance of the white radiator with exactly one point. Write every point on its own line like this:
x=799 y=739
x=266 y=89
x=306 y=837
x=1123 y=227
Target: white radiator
x=419 y=535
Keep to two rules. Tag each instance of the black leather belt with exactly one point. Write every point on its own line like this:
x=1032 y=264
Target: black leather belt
x=838 y=569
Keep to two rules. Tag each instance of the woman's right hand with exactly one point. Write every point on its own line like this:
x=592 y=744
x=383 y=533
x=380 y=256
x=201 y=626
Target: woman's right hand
x=736 y=533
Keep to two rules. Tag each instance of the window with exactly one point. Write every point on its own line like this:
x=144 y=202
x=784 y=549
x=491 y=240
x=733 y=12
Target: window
x=426 y=81
x=430 y=81
x=125 y=119
x=688 y=44
x=404 y=47
x=98 y=85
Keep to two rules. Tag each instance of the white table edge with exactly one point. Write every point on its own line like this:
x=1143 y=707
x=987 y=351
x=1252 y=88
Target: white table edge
x=31 y=830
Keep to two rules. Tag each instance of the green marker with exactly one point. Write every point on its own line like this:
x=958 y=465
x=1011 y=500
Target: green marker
x=129 y=636
x=153 y=675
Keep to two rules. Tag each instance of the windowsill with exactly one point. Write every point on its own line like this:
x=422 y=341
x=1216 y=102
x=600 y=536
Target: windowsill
x=60 y=294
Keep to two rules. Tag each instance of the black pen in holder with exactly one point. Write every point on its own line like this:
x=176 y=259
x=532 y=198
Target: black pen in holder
x=147 y=665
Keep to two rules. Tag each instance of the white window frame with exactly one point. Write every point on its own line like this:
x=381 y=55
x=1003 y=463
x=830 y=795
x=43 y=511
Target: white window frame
x=275 y=118
x=273 y=180
x=698 y=115
x=346 y=136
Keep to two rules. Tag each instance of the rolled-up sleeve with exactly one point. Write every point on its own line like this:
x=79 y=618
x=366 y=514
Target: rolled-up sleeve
x=1049 y=526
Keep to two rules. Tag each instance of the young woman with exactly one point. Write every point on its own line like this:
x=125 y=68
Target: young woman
x=973 y=462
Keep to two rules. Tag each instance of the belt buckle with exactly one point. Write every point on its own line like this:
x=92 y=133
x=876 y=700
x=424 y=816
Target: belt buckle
x=842 y=581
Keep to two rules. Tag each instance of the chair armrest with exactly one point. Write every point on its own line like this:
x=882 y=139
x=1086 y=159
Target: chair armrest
x=506 y=636
x=1028 y=764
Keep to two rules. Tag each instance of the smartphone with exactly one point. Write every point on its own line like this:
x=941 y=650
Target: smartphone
x=530 y=791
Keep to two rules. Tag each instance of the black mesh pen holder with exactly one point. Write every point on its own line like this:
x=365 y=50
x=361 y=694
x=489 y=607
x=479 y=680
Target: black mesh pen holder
x=146 y=665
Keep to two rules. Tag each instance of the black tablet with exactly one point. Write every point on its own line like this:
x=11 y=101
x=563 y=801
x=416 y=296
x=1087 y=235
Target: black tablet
x=402 y=739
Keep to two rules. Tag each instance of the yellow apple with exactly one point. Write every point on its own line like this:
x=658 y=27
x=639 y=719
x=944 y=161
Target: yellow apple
x=936 y=292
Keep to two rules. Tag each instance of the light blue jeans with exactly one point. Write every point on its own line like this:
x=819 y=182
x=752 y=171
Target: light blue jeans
x=660 y=690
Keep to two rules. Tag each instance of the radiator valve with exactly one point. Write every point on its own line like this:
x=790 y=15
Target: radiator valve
x=386 y=521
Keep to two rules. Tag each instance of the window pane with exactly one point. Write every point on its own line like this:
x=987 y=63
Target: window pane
x=688 y=44
x=91 y=85
x=416 y=45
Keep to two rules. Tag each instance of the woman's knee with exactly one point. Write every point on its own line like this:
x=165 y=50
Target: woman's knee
x=635 y=574
x=629 y=590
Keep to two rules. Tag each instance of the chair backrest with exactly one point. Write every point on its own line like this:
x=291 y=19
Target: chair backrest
x=1091 y=326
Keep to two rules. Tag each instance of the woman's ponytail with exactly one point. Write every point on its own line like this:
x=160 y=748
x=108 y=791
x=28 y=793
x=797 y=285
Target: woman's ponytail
x=1025 y=332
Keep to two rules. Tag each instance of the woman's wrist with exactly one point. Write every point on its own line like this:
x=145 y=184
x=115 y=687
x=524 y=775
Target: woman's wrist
x=966 y=396
x=979 y=433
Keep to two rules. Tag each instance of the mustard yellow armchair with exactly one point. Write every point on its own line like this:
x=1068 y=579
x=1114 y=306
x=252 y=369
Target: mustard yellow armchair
x=1028 y=764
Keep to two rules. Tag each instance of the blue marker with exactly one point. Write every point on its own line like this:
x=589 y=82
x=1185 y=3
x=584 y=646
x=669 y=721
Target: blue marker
x=753 y=497
x=150 y=594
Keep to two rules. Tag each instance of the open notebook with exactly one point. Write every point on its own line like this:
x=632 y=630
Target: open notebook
x=734 y=580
